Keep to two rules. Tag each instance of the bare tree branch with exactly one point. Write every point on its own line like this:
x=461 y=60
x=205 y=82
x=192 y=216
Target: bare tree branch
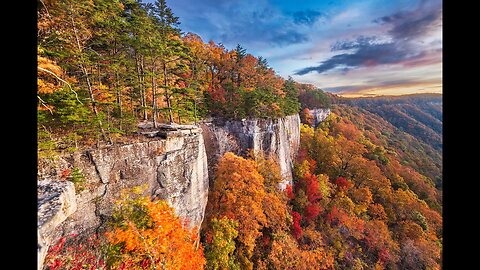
x=45 y=104
x=43 y=4
x=50 y=72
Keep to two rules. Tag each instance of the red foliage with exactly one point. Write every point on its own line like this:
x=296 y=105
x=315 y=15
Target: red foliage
x=266 y=240
x=185 y=75
x=297 y=231
x=217 y=93
x=333 y=215
x=343 y=184
x=312 y=187
x=289 y=191
x=312 y=211
x=69 y=256
x=384 y=255
x=303 y=155
x=65 y=173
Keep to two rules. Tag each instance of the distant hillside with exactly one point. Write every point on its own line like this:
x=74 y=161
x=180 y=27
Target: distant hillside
x=413 y=152
x=419 y=115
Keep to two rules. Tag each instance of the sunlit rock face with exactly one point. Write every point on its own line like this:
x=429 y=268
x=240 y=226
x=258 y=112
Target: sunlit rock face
x=277 y=138
x=170 y=165
x=319 y=115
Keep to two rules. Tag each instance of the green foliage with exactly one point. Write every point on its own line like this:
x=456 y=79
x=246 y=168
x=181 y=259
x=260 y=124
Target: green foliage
x=68 y=111
x=258 y=103
x=420 y=220
x=291 y=104
x=311 y=97
x=219 y=253
x=78 y=179
x=46 y=146
x=131 y=209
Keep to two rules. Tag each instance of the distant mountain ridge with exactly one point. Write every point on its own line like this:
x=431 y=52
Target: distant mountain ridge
x=419 y=115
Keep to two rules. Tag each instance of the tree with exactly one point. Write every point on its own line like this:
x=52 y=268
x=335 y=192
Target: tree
x=221 y=244
x=306 y=117
x=291 y=105
x=297 y=231
x=238 y=193
x=149 y=235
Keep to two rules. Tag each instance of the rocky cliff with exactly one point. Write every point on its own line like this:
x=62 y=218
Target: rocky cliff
x=172 y=168
x=171 y=162
x=277 y=138
x=319 y=115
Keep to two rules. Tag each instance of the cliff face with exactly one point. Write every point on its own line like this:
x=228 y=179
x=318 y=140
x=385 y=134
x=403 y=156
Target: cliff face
x=277 y=138
x=319 y=115
x=173 y=169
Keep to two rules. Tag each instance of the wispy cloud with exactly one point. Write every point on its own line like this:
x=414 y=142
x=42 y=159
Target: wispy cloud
x=406 y=26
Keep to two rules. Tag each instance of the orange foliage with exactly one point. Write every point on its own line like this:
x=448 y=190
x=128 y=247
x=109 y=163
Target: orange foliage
x=238 y=194
x=285 y=254
x=348 y=130
x=48 y=74
x=164 y=244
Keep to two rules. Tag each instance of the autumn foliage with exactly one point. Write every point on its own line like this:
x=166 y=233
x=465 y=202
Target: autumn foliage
x=67 y=254
x=247 y=192
x=159 y=239
x=369 y=208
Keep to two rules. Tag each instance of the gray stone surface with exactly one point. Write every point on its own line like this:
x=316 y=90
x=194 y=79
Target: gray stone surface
x=173 y=169
x=319 y=115
x=277 y=138
x=171 y=164
x=56 y=202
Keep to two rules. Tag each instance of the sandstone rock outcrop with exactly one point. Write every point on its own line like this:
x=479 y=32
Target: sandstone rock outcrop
x=170 y=161
x=277 y=138
x=319 y=115
x=172 y=168
x=56 y=202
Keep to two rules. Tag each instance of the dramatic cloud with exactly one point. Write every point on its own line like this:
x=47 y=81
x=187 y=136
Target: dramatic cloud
x=370 y=51
x=412 y=24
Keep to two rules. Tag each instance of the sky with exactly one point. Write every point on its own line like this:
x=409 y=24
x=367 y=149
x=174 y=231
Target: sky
x=348 y=47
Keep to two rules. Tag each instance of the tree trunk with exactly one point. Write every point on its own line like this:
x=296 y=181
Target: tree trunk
x=144 y=91
x=87 y=79
x=119 y=98
x=195 y=110
x=154 y=98
x=139 y=68
x=167 y=96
